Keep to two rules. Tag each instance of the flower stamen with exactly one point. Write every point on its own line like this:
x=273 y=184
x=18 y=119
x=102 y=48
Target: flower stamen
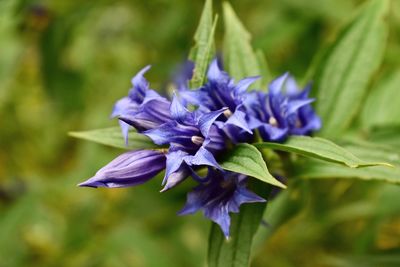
x=273 y=121
x=227 y=113
x=197 y=140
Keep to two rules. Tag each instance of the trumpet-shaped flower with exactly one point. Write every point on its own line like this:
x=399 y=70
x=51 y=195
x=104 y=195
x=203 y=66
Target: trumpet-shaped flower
x=221 y=92
x=283 y=110
x=192 y=137
x=143 y=108
x=225 y=192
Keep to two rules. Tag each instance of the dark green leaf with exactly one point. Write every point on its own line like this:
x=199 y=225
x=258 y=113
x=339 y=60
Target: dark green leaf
x=349 y=66
x=235 y=252
x=113 y=137
x=204 y=48
x=240 y=59
x=319 y=148
x=246 y=159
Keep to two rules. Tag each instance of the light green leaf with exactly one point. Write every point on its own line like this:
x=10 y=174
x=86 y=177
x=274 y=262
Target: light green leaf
x=204 y=46
x=113 y=137
x=371 y=152
x=349 y=66
x=235 y=252
x=383 y=103
x=319 y=148
x=386 y=135
x=264 y=70
x=246 y=159
x=319 y=170
x=239 y=57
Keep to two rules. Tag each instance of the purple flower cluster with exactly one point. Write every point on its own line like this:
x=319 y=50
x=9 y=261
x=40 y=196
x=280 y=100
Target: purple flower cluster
x=197 y=126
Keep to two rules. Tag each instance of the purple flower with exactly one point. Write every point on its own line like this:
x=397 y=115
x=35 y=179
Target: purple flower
x=129 y=169
x=192 y=137
x=225 y=113
x=221 y=92
x=143 y=108
x=305 y=120
x=282 y=111
x=225 y=192
x=184 y=75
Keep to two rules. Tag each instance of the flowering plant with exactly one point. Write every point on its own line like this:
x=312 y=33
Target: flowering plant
x=224 y=129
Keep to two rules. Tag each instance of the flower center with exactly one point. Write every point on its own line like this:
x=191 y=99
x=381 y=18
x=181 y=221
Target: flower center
x=273 y=121
x=197 y=140
x=227 y=113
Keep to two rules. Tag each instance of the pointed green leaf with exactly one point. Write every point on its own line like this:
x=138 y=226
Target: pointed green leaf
x=349 y=66
x=113 y=137
x=239 y=57
x=319 y=148
x=246 y=159
x=235 y=252
x=204 y=46
x=371 y=152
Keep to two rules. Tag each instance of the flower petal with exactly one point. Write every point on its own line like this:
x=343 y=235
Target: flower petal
x=178 y=111
x=174 y=162
x=215 y=74
x=243 y=84
x=238 y=118
x=276 y=85
x=202 y=157
x=207 y=119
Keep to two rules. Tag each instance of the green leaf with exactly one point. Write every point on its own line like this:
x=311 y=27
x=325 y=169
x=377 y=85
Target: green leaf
x=246 y=159
x=371 y=152
x=319 y=170
x=349 y=67
x=235 y=252
x=319 y=148
x=383 y=103
x=388 y=135
x=264 y=70
x=239 y=57
x=204 y=46
x=113 y=137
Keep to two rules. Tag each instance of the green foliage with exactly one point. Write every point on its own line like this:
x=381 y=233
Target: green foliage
x=344 y=76
x=113 y=137
x=319 y=148
x=388 y=136
x=246 y=159
x=239 y=56
x=381 y=107
x=204 y=47
x=370 y=152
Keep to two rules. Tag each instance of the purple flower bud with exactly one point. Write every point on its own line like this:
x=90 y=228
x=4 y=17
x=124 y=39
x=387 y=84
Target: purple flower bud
x=129 y=169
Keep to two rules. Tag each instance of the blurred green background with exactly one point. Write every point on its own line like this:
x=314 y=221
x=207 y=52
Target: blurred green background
x=62 y=66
